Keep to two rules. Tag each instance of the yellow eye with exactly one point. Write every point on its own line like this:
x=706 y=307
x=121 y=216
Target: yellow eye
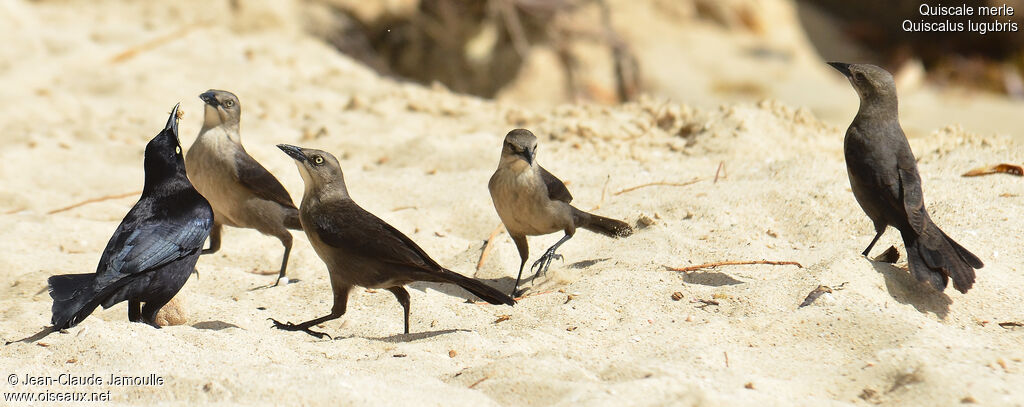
x=177 y=150
x=318 y=160
x=229 y=103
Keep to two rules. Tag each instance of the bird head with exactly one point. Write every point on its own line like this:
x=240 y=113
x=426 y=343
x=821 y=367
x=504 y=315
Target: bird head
x=520 y=144
x=873 y=84
x=221 y=108
x=163 y=153
x=320 y=170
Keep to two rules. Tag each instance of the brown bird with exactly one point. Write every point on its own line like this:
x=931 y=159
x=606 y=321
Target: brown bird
x=884 y=178
x=531 y=201
x=359 y=248
x=243 y=193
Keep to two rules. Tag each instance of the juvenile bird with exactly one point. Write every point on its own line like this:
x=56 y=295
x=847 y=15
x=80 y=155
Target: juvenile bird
x=884 y=178
x=359 y=248
x=531 y=201
x=152 y=252
x=243 y=193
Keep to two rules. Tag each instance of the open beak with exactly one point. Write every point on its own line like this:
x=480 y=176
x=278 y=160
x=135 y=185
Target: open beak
x=293 y=152
x=841 y=67
x=209 y=98
x=172 y=121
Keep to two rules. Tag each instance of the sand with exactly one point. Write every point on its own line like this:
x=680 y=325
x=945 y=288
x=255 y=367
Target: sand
x=601 y=328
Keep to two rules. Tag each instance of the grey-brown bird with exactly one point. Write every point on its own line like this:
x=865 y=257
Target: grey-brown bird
x=243 y=193
x=359 y=248
x=884 y=178
x=531 y=201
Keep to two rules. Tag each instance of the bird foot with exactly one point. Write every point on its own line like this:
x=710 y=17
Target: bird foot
x=292 y=327
x=544 y=263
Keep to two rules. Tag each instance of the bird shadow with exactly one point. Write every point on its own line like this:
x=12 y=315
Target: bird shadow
x=34 y=337
x=272 y=285
x=905 y=289
x=587 y=263
x=710 y=278
x=416 y=336
x=214 y=325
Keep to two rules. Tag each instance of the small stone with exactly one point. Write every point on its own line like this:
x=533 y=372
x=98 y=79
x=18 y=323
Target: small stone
x=452 y=353
x=676 y=296
x=172 y=313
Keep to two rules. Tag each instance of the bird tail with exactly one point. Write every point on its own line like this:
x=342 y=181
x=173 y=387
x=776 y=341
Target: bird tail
x=600 y=224
x=291 y=219
x=935 y=257
x=73 y=299
x=478 y=288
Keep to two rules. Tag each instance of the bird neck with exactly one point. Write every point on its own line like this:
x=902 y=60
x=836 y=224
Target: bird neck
x=325 y=192
x=877 y=106
x=515 y=164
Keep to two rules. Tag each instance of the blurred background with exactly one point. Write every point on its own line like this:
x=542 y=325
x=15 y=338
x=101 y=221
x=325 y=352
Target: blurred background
x=539 y=53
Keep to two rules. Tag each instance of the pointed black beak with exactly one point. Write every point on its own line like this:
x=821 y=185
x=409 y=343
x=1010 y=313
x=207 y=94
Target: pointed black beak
x=209 y=98
x=293 y=152
x=172 y=122
x=528 y=156
x=841 y=67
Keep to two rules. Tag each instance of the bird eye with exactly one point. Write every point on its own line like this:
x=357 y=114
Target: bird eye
x=177 y=150
x=318 y=160
x=229 y=103
x=858 y=76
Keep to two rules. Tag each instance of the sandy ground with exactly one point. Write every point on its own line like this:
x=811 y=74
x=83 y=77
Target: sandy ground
x=601 y=328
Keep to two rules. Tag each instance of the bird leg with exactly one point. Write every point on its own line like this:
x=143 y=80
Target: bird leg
x=544 y=262
x=284 y=262
x=873 y=241
x=403 y=298
x=304 y=327
x=134 y=311
x=214 y=239
x=524 y=253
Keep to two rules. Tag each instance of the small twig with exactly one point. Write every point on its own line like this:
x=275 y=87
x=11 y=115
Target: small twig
x=479 y=381
x=488 y=244
x=604 y=190
x=15 y=210
x=402 y=208
x=94 y=200
x=734 y=263
x=153 y=43
x=726 y=358
x=721 y=169
x=652 y=184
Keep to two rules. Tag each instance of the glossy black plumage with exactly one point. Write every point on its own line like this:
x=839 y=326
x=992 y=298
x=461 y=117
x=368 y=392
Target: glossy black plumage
x=152 y=252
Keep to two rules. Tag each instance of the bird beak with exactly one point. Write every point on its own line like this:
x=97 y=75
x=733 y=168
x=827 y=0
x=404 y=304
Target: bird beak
x=528 y=156
x=293 y=152
x=208 y=98
x=841 y=67
x=172 y=122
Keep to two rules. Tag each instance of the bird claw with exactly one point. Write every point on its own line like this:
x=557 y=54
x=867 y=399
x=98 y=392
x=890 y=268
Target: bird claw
x=544 y=263
x=292 y=327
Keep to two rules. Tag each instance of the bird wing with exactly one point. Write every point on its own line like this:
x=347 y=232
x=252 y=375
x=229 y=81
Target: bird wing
x=556 y=189
x=913 y=197
x=346 y=225
x=261 y=182
x=144 y=241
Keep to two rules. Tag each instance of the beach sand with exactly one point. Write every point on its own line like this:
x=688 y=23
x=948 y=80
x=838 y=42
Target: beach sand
x=766 y=181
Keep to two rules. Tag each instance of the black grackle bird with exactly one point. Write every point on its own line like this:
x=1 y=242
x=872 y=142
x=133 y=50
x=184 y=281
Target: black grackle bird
x=152 y=252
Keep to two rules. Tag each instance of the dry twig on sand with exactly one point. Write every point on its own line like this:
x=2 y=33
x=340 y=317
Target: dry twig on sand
x=94 y=200
x=733 y=263
x=654 y=184
x=488 y=244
